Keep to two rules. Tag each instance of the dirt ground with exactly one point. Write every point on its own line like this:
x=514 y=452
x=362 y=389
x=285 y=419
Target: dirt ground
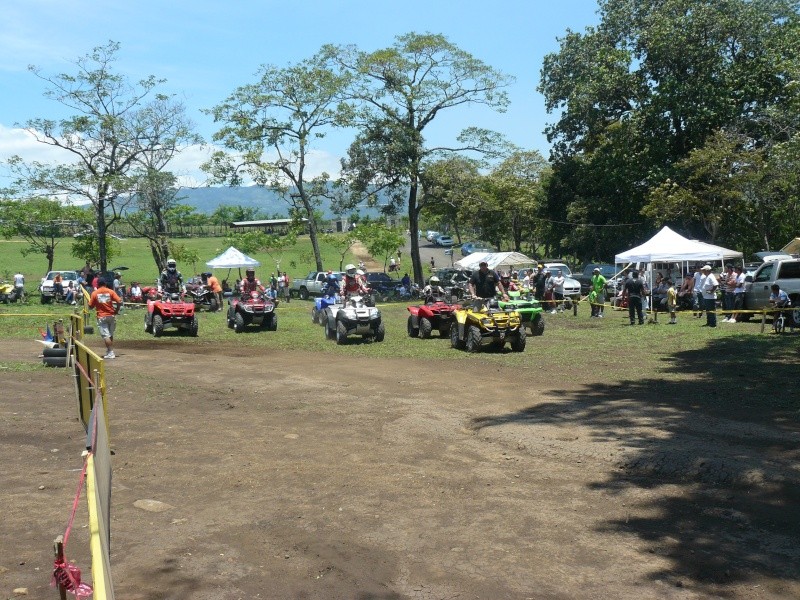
x=295 y=475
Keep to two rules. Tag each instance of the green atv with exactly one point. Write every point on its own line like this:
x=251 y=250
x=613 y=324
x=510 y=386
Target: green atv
x=529 y=309
x=484 y=323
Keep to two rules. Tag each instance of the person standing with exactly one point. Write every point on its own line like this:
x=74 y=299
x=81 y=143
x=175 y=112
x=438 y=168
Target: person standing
x=599 y=289
x=738 y=294
x=634 y=291
x=106 y=303
x=286 y=289
x=672 y=303
x=213 y=283
x=19 y=285
x=558 y=291
x=708 y=287
x=698 y=292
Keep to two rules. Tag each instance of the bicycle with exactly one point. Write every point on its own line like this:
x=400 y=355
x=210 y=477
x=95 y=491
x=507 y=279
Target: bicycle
x=779 y=321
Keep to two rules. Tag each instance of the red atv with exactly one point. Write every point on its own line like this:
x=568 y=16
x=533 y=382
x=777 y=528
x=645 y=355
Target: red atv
x=170 y=311
x=434 y=314
x=252 y=309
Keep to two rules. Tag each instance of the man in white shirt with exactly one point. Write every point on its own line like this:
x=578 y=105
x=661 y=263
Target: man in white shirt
x=19 y=285
x=708 y=287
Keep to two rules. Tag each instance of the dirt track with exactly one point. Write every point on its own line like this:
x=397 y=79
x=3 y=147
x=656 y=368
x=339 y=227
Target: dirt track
x=289 y=478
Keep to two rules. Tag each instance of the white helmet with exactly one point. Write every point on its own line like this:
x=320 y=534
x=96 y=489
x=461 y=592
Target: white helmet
x=171 y=264
x=434 y=280
x=359 y=272
x=351 y=269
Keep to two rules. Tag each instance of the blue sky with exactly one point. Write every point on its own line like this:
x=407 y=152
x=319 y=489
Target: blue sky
x=207 y=48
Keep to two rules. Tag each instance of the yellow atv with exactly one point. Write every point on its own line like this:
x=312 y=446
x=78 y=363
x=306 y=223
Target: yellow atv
x=484 y=323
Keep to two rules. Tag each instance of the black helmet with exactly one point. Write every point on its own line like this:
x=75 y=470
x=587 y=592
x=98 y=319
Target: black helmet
x=250 y=272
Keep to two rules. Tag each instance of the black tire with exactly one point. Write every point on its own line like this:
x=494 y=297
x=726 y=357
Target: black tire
x=6 y=300
x=213 y=305
x=273 y=322
x=473 y=341
x=412 y=331
x=380 y=332
x=148 y=323
x=455 y=342
x=537 y=325
x=341 y=333
x=303 y=293
x=518 y=343
x=329 y=332
x=238 y=323
x=793 y=317
x=54 y=361
x=314 y=315
x=425 y=328
x=158 y=326
x=45 y=299
x=54 y=352
x=88 y=330
x=194 y=327
x=444 y=332
x=229 y=317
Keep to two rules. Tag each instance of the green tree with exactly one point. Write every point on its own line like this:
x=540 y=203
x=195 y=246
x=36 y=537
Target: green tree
x=120 y=128
x=380 y=240
x=42 y=223
x=448 y=184
x=156 y=194
x=87 y=248
x=400 y=91
x=342 y=242
x=272 y=124
x=652 y=82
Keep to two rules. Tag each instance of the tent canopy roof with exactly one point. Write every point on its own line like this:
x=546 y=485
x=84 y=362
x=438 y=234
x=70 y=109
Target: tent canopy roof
x=231 y=259
x=495 y=260
x=668 y=246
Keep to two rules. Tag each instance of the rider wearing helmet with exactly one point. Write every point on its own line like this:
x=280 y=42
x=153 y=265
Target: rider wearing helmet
x=250 y=283
x=433 y=290
x=331 y=284
x=171 y=280
x=352 y=282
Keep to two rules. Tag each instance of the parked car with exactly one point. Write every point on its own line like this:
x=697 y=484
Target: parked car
x=786 y=273
x=475 y=246
x=47 y=289
x=445 y=241
x=432 y=235
x=381 y=283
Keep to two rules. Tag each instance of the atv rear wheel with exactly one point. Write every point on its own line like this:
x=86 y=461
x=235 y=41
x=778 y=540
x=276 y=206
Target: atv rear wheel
x=314 y=315
x=273 y=323
x=380 y=333
x=455 y=342
x=148 y=323
x=194 y=327
x=229 y=317
x=238 y=323
x=473 y=343
x=412 y=331
x=537 y=327
x=425 y=328
x=213 y=305
x=158 y=325
x=329 y=332
x=518 y=343
x=341 y=333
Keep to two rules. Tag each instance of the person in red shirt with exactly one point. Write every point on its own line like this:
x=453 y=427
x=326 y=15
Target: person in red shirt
x=106 y=303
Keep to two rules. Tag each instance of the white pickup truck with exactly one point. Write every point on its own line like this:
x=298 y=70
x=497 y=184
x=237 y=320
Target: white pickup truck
x=312 y=285
x=786 y=273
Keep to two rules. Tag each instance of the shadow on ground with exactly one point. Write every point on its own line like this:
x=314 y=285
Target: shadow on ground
x=720 y=431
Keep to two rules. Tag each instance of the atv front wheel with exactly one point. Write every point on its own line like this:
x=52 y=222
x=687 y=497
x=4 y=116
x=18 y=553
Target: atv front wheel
x=380 y=333
x=148 y=324
x=158 y=325
x=341 y=333
x=273 y=323
x=238 y=323
x=213 y=305
x=314 y=315
x=455 y=341
x=412 y=331
x=425 y=328
x=194 y=327
x=473 y=343
x=329 y=332
x=518 y=343
x=229 y=317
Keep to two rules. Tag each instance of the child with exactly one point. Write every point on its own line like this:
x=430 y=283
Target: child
x=672 y=302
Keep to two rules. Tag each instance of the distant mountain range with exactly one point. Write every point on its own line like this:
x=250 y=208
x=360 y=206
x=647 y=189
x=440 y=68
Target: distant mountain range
x=207 y=199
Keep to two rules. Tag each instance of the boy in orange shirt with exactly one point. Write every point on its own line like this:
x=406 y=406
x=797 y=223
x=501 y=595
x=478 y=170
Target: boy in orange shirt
x=107 y=304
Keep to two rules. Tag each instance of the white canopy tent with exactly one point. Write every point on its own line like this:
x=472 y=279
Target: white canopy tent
x=495 y=260
x=232 y=259
x=668 y=246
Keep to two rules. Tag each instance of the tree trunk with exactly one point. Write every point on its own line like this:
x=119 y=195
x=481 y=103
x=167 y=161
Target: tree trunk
x=101 y=232
x=413 y=227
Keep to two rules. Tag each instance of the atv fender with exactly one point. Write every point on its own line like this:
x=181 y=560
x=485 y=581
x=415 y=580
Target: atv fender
x=461 y=318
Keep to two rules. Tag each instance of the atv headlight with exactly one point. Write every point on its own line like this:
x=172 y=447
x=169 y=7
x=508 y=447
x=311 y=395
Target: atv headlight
x=247 y=308
x=487 y=322
x=268 y=308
